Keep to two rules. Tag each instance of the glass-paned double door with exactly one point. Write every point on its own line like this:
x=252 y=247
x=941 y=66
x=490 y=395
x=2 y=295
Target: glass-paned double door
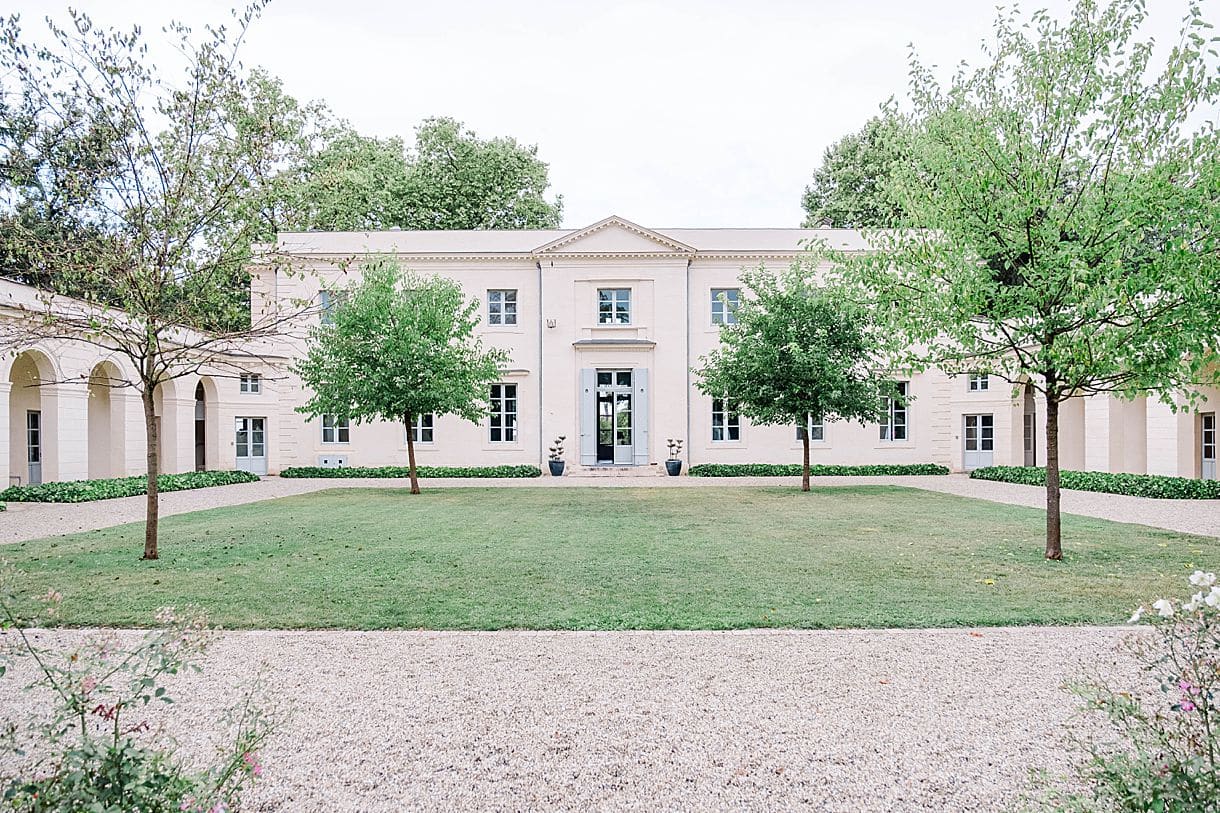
x=615 y=440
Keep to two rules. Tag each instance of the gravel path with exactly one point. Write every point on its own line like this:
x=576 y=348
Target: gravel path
x=883 y=720
x=35 y=520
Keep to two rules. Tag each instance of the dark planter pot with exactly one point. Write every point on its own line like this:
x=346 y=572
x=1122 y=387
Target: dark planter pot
x=674 y=467
x=556 y=467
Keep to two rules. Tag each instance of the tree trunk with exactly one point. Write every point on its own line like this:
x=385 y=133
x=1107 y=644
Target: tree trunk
x=152 y=505
x=411 y=453
x=805 y=464
x=1053 y=548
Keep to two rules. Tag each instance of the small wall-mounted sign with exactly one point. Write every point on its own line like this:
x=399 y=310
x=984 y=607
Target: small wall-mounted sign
x=550 y=323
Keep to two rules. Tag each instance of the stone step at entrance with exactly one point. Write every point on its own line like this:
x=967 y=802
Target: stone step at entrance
x=651 y=470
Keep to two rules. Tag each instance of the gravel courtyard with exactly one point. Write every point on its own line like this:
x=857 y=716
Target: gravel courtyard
x=928 y=720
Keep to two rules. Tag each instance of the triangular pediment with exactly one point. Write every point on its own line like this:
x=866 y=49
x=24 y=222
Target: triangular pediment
x=614 y=235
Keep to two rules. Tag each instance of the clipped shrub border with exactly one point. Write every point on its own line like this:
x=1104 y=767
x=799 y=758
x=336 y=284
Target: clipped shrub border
x=794 y=470
x=1133 y=485
x=404 y=471
x=91 y=490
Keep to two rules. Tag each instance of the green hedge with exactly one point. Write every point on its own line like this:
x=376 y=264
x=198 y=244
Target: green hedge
x=404 y=471
x=90 y=490
x=1134 y=485
x=794 y=470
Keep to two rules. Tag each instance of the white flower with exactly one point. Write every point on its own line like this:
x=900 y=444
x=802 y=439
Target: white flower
x=1136 y=616
x=1213 y=598
x=1164 y=607
x=1201 y=579
x=1193 y=604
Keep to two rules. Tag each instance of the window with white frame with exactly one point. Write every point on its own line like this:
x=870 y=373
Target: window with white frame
x=335 y=429
x=814 y=427
x=896 y=413
x=502 y=306
x=726 y=420
x=250 y=383
x=327 y=302
x=421 y=428
x=502 y=420
x=724 y=305
x=978 y=382
x=614 y=306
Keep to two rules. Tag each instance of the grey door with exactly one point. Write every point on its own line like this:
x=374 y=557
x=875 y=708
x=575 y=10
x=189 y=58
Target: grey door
x=1207 y=444
x=978 y=437
x=624 y=446
x=33 y=445
x=251 y=443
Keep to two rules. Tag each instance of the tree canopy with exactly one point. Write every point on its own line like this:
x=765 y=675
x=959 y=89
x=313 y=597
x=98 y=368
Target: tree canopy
x=399 y=346
x=850 y=189
x=1069 y=191
x=797 y=350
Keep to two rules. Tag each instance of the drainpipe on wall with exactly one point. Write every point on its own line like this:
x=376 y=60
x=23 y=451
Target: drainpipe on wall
x=541 y=328
x=689 y=444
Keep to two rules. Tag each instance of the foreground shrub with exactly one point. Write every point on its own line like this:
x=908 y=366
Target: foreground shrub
x=1166 y=755
x=404 y=471
x=1134 y=485
x=89 y=754
x=794 y=470
x=90 y=490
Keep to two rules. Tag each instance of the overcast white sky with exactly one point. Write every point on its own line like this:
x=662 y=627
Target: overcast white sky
x=668 y=113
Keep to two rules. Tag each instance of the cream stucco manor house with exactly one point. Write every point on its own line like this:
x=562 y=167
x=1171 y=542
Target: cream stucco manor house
x=602 y=324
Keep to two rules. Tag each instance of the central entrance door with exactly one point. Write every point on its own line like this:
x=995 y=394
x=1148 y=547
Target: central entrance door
x=615 y=440
x=979 y=435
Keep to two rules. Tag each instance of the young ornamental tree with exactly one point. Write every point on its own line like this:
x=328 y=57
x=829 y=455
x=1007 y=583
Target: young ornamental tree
x=168 y=161
x=399 y=346
x=1067 y=193
x=798 y=350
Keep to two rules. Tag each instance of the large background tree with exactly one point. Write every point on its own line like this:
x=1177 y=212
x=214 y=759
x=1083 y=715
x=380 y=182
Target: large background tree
x=797 y=350
x=397 y=347
x=166 y=162
x=1069 y=192
x=849 y=189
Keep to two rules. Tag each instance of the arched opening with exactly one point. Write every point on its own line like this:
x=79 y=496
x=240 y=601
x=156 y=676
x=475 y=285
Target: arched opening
x=165 y=409
x=107 y=423
x=31 y=419
x=207 y=426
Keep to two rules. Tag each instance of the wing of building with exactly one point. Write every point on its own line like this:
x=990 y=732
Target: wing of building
x=602 y=325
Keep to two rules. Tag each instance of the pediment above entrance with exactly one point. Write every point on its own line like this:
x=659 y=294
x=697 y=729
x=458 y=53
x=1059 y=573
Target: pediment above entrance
x=612 y=236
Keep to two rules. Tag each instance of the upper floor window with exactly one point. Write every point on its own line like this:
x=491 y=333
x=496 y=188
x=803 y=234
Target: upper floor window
x=895 y=414
x=614 y=306
x=251 y=383
x=421 y=428
x=502 y=307
x=978 y=382
x=327 y=302
x=724 y=305
x=814 y=426
x=502 y=419
x=335 y=429
x=726 y=420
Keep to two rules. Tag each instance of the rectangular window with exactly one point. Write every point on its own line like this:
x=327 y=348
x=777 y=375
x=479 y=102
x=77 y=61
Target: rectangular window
x=726 y=420
x=502 y=420
x=614 y=306
x=335 y=429
x=978 y=382
x=895 y=413
x=422 y=428
x=251 y=383
x=724 y=305
x=502 y=307
x=815 y=427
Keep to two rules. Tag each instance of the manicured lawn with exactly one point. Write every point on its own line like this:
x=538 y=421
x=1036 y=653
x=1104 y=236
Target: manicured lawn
x=478 y=558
